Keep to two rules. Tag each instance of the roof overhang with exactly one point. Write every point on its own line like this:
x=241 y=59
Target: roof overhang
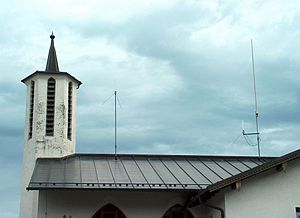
x=187 y=173
x=52 y=73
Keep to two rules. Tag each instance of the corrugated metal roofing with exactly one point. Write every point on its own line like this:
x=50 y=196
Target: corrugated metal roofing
x=274 y=163
x=155 y=172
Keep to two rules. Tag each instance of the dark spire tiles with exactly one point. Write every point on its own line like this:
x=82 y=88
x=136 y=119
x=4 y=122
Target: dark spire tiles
x=52 y=64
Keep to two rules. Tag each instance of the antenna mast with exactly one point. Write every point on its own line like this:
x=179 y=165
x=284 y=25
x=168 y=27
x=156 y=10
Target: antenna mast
x=256 y=107
x=115 y=93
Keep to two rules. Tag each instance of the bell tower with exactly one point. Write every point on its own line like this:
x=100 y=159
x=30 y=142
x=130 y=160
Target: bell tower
x=50 y=122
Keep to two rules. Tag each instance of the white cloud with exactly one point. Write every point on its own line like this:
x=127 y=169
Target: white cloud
x=272 y=130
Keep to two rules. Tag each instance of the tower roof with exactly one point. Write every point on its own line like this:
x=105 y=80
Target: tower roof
x=52 y=64
x=52 y=67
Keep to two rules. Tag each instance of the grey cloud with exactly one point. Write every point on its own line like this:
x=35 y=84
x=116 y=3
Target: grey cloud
x=179 y=94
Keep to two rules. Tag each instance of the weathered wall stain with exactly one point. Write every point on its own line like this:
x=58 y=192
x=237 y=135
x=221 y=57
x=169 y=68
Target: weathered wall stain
x=61 y=123
x=40 y=108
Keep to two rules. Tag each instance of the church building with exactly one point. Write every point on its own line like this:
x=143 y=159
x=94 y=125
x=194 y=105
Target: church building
x=57 y=182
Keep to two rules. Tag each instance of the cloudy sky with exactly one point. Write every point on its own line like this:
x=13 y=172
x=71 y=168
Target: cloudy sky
x=182 y=70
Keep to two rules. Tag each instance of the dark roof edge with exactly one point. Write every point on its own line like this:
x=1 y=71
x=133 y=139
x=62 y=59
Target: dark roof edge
x=152 y=155
x=114 y=189
x=51 y=73
x=252 y=172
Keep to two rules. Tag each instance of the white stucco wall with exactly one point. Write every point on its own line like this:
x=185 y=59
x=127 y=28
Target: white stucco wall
x=28 y=200
x=57 y=145
x=45 y=146
x=134 y=204
x=217 y=201
x=270 y=195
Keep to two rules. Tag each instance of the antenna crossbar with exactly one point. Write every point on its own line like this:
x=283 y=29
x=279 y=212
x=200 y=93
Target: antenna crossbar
x=250 y=133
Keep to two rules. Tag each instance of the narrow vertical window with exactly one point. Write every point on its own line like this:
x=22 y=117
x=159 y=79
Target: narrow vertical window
x=70 y=90
x=50 y=107
x=31 y=109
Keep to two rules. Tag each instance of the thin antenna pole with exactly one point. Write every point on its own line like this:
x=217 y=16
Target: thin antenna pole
x=255 y=98
x=254 y=79
x=115 y=93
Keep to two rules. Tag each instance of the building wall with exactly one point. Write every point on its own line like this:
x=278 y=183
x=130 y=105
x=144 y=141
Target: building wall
x=216 y=201
x=269 y=195
x=57 y=145
x=134 y=204
x=40 y=145
x=273 y=194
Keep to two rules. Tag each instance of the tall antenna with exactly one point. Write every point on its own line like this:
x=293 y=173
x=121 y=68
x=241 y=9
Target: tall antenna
x=115 y=93
x=256 y=107
x=115 y=104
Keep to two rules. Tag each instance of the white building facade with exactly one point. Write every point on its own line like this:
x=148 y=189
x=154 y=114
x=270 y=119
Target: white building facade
x=59 y=183
x=272 y=194
x=268 y=191
x=133 y=204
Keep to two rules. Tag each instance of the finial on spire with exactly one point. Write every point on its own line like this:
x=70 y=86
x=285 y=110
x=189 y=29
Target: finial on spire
x=52 y=64
x=52 y=36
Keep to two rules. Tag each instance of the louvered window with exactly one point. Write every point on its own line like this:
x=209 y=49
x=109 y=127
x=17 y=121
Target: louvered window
x=31 y=109
x=50 y=107
x=70 y=92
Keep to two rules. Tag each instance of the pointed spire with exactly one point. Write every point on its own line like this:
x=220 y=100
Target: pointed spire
x=52 y=64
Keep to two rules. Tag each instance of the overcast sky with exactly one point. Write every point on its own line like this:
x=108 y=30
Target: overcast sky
x=182 y=70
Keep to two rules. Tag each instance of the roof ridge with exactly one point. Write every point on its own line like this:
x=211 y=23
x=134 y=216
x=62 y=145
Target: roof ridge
x=96 y=155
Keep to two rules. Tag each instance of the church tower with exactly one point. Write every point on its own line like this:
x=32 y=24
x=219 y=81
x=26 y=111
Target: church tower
x=50 y=123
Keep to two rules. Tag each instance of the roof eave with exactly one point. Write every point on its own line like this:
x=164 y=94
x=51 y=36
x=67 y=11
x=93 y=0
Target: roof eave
x=249 y=173
x=194 y=191
x=54 y=73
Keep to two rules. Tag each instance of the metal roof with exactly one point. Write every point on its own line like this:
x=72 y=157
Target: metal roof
x=276 y=162
x=138 y=172
x=52 y=64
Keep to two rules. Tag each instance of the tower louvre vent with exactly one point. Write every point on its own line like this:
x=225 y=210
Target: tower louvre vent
x=70 y=94
x=50 y=107
x=31 y=109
